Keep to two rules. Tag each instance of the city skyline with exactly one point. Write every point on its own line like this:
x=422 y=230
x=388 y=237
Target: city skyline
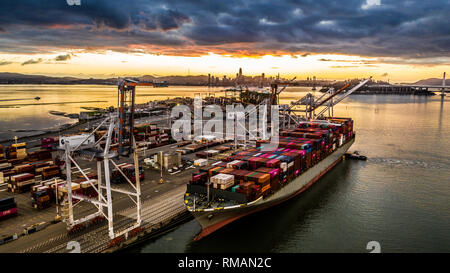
x=396 y=40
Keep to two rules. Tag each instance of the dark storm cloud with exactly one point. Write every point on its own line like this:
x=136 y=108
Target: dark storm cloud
x=4 y=63
x=62 y=58
x=32 y=61
x=409 y=29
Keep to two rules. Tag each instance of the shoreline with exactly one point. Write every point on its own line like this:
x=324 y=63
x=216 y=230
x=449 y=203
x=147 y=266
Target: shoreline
x=43 y=132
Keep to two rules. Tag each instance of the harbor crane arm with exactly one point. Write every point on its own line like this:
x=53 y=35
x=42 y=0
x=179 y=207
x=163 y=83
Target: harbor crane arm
x=328 y=98
x=275 y=92
x=348 y=93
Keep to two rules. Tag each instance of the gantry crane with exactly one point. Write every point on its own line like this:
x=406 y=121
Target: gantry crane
x=122 y=123
x=127 y=97
x=274 y=92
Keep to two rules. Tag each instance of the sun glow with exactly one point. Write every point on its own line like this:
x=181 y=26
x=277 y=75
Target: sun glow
x=104 y=64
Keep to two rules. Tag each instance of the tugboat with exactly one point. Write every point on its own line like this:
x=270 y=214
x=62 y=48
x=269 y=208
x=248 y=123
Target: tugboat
x=355 y=156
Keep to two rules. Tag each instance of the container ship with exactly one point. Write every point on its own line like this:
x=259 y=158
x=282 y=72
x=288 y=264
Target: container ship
x=251 y=180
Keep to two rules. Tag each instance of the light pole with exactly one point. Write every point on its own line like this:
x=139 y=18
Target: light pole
x=161 y=180
x=56 y=200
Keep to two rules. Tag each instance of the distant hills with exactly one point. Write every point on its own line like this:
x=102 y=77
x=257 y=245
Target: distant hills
x=433 y=81
x=17 y=78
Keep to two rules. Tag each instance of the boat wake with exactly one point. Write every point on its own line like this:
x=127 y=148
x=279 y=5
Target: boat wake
x=408 y=163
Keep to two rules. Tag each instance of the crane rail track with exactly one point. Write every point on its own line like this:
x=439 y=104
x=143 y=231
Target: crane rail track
x=95 y=239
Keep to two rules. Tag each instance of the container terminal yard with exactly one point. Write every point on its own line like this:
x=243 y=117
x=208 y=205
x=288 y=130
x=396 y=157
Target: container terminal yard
x=127 y=175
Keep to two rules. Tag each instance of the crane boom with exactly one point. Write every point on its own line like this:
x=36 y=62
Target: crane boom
x=348 y=93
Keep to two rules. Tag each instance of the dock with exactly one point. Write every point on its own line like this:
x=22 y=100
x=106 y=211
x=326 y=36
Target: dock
x=163 y=209
x=158 y=214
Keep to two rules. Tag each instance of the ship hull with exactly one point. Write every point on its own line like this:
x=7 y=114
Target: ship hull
x=214 y=220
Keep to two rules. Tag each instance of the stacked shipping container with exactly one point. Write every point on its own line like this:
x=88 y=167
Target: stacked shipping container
x=256 y=173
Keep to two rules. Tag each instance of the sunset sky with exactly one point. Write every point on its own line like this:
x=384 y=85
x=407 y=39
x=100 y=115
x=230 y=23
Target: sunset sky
x=402 y=41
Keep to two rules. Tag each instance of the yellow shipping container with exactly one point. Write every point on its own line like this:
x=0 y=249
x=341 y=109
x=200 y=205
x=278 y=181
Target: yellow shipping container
x=20 y=145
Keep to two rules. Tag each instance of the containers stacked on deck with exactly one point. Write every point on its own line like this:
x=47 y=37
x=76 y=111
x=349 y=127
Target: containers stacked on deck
x=256 y=173
x=222 y=181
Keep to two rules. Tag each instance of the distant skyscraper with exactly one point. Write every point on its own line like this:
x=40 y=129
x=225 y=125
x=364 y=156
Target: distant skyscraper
x=209 y=79
x=239 y=77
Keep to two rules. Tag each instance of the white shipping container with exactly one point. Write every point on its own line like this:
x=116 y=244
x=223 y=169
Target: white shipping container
x=230 y=164
x=225 y=179
x=217 y=163
x=341 y=140
x=5 y=165
x=200 y=162
x=63 y=188
x=41 y=188
x=87 y=184
x=224 y=186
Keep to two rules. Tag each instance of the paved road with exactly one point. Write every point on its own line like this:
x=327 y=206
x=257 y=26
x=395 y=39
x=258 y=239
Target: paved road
x=165 y=205
x=150 y=190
